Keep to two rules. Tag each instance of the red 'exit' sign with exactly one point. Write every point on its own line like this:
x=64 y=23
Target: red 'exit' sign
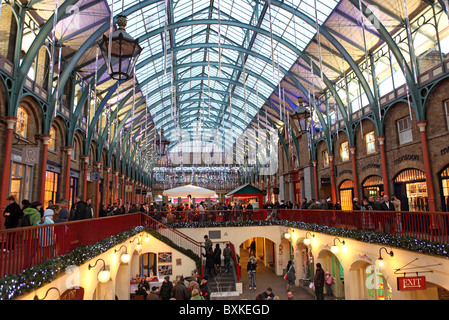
x=411 y=283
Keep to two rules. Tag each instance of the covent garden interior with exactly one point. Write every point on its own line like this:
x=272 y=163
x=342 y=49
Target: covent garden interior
x=154 y=149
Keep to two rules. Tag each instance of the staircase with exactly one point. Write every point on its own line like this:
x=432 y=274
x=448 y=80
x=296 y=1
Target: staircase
x=223 y=285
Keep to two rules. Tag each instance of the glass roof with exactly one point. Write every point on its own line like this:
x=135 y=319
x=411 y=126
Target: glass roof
x=201 y=56
x=217 y=68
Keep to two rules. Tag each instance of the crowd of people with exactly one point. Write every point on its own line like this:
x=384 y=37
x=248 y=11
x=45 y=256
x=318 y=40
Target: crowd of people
x=34 y=213
x=380 y=203
x=192 y=288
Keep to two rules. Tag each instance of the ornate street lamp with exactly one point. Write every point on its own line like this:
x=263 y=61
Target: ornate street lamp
x=162 y=144
x=124 y=52
x=302 y=116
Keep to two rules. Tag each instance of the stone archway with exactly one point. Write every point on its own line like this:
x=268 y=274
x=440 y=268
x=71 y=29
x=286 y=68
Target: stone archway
x=330 y=263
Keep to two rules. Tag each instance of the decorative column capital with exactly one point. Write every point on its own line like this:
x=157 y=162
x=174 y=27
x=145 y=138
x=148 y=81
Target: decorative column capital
x=45 y=139
x=69 y=151
x=352 y=150
x=10 y=122
x=422 y=125
x=381 y=140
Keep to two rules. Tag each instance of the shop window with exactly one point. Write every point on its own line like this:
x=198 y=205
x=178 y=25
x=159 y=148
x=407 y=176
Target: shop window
x=405 y=130
x=52 y=140
x=22 y=122
x=370 y=142
x=346 y=194
x=51 y=187
x=411 y=190
x=373 y=186
x=344 y=151
x=325 y=156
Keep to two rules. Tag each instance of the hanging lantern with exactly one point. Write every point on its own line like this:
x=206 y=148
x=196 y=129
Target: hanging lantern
x=302 y=116
x=162 y=144
x=124 y=52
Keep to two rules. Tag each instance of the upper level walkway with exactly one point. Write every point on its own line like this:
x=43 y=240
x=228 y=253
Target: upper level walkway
x=423 y=232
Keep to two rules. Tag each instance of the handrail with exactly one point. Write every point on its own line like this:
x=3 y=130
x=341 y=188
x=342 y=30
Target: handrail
x=158 y=226
x=21 y=248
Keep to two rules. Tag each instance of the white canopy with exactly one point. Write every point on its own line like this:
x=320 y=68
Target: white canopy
x=194 y=191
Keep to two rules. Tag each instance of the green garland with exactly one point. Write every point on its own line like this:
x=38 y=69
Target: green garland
x=401 y=242
x=15 y=285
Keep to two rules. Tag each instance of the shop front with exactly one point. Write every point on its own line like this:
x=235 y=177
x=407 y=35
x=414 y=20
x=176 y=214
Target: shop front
x=346 y=191
x=444 y=187
x=411 y=189
x=74 y=185
x=21 y=185
x=52 y=183
x=373 y=187
x=297 y=182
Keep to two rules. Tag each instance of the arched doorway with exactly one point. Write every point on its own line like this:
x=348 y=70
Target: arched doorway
x=346 y=194
x=373 y=187
x=411 y=189
x=305 y=268
x=330 y=263
x=104 y=291
x=368 y=282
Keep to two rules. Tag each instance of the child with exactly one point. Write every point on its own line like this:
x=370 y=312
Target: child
x=328 y=280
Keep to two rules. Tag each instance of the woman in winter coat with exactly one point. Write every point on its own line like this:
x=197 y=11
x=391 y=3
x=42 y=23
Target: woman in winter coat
x=34 y=212
x=291 y=276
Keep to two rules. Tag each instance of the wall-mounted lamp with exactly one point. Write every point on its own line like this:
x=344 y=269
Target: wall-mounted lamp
x=147 y=237
x=336 y=249
x=307 y=240
x=138 y=243
x=380 y=260
x=46 y=293
x=104 y=275
x=125 y=256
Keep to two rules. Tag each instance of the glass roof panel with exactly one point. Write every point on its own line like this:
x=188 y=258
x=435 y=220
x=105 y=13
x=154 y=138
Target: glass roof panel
x=190 y=45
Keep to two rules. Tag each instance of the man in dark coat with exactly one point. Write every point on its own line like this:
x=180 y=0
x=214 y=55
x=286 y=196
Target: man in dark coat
x=166 y=288
x=180 y=291
x=210 y=268
x=79 y=211
x=12 y=213
x=319 y=282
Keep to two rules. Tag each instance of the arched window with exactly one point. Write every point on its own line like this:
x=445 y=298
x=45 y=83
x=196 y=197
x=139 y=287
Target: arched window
x=52 y=140
x=22 y=122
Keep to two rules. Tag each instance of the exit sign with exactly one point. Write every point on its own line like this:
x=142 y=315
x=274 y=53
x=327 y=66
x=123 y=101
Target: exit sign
x=411 y=283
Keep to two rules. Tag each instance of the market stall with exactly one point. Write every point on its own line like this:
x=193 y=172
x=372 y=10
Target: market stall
x=247 y=193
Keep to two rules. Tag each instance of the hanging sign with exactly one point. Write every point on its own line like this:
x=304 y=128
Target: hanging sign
x=411 y=283
x=30 y=155
x=95 y=176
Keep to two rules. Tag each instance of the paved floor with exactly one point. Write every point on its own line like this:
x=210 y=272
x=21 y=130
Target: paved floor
x=265 y=277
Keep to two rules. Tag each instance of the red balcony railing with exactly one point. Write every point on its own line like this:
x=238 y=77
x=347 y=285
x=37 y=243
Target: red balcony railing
x=21 y=248
x=431 y=226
